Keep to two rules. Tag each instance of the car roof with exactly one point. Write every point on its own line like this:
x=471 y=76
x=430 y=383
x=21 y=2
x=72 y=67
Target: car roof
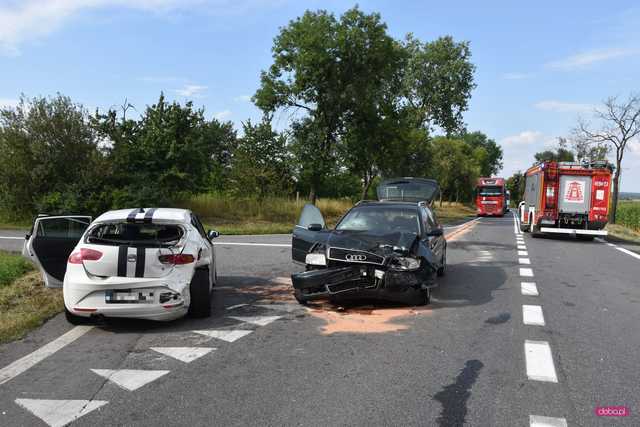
x=166 y=215
x=386 y=203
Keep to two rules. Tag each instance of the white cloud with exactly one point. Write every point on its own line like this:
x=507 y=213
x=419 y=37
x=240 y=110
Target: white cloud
x=564 y=107
x=26 y=20
x=159 y=79
x=191 y=91
x=584 y=59
x=516 y=76
x=526 y=137
x=222 y=115
x=8 y=103
x=242 y=98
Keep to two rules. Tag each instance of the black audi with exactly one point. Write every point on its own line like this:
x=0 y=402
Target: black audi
x=391 y=249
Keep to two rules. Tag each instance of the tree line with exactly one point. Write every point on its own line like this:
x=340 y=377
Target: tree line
x=361 y=105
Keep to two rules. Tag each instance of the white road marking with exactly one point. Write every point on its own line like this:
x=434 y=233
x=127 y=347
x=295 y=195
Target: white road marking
x=523 y=253
x=257 y=320
x=11 y=238
x=540 y=421
x=526 y=272
x=628 y=252
x=522 y=247
x=539 y=361
x=529 y=288
x=289 y=308
x=130 y=379
x=19 y=366
x=532 y=315
x=524 y=261
x=232 y=307
x=58 y=413
x=228 y=336
x=276 y=245
x=515 y=224
x=184 y=354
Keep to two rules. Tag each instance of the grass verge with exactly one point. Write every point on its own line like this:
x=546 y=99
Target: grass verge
x=25 y=303
x=11 y=267
x=623 y=233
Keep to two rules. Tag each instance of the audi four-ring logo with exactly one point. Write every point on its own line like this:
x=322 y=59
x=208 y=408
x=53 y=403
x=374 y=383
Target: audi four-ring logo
x=354 y=257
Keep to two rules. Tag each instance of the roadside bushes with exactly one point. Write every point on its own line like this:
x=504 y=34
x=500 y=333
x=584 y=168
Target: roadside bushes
x=628 y=214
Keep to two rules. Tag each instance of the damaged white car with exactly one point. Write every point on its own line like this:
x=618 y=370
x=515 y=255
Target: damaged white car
x=154 y=263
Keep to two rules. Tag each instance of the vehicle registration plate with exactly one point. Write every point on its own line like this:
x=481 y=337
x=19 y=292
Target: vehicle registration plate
x=127 y=296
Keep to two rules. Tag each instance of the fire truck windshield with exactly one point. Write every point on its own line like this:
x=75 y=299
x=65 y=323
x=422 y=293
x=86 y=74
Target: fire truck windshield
x=492 y=190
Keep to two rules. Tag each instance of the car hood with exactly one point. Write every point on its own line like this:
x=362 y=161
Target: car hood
x=377 y=243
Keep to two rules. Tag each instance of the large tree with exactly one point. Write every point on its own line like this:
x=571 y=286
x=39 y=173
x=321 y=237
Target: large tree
x=491 y=163
x=619 y=124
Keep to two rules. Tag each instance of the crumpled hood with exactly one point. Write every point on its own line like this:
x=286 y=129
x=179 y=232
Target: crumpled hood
x=380 y=244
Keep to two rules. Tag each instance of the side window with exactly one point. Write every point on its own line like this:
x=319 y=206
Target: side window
x=426 y=224
x=65 y=228
x=431 y=218
x=198 y=226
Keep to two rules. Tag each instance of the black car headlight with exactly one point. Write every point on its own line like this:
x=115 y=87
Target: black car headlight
x=405 y=264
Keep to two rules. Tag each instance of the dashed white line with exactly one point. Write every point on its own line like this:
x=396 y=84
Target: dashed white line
x=19 y=366
x=11 y=238
x=529 y=289
x=524 y=261
x=532 y=315
x=539 y=361
x=540 y=421
x=523 y=253
x=526 y=272
x=522 y=247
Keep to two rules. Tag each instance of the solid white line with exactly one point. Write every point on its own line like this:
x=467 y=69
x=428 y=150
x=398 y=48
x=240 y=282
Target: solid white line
x=539 y=361
x=532 y=315
x=523 y=253
x=529 y=288
x=277 y=245
x=540 y=421
x=11 y=238
x=628 y=252
x=524 y=261
x=19 y=366
x=526 y=272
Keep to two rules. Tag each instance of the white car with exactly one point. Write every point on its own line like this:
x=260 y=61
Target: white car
x=154 y=263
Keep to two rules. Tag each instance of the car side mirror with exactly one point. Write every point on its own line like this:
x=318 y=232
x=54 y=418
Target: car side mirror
x=314 y=227
x=436 y=232
x=27 y=236
x=212 y=234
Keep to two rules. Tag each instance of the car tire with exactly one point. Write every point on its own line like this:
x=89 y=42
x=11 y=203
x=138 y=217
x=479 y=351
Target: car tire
x=299 y=297
x=73 y=319
x=200 y=291
x=425 y=297
x=443 y=269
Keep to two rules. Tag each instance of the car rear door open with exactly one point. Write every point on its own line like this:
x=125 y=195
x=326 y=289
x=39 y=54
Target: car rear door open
x=51 y=241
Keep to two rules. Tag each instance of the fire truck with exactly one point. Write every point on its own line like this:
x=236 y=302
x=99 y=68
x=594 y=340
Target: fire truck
x=491 y=197
x=566 y=198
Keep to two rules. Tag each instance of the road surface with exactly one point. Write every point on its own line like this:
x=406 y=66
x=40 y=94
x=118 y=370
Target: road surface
x=537 y=335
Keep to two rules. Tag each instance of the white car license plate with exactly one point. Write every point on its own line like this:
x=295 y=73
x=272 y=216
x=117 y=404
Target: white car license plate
x=128 y=297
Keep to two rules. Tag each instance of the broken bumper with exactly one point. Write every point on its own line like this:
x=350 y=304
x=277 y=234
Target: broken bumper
x=359 y=279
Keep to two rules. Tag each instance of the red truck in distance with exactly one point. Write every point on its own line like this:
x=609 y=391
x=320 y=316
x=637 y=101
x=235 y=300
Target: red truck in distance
x=566 y=198
x=491 y=197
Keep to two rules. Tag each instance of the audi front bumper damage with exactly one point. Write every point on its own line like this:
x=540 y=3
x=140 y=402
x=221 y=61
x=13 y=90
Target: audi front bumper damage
x=361 y=280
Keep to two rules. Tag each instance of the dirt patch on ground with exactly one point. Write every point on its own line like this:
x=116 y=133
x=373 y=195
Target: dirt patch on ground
x=279 y=289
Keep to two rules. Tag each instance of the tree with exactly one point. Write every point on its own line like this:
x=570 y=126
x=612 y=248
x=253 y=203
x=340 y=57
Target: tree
x=620 y=123
x=561 y=153
x=50 y=153
x=260 y=165
x=455 y=167
x=515 y=185
x=491 y=164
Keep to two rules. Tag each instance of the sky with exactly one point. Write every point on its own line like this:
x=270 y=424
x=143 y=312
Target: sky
x=540 y=65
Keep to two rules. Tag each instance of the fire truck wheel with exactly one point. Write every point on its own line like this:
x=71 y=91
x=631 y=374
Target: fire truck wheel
x=524 y=228
x=535 y=231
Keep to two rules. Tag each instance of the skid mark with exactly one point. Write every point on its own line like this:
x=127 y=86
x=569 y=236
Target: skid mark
x=364 y=319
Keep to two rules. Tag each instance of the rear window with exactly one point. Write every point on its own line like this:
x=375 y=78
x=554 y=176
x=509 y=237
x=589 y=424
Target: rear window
x=125 y=233
x=490 y=191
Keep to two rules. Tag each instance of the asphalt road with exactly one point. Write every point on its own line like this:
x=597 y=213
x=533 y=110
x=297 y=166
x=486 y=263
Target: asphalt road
x=466 y=359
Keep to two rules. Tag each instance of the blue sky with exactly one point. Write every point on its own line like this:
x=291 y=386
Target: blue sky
x=540 y=65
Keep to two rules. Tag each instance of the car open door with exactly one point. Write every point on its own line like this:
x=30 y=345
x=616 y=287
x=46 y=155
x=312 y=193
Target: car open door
x=50 y=242
x=408 y=190
x=306 y=231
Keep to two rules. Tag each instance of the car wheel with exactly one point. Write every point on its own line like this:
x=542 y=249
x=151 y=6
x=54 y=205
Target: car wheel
x=299 y=297
x=73 y=319
x=443 y=269
x=200 y=294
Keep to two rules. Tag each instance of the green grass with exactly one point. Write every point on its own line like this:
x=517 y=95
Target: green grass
x=24 y=301
x=11 y=267
x=628 y=214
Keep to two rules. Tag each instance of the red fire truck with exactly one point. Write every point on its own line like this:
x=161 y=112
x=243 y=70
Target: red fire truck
x=566 y=198
x=491 y=197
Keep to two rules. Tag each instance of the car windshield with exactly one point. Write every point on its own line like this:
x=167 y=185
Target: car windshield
x=490 y=191
x=132 y=234
x=381 y=219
